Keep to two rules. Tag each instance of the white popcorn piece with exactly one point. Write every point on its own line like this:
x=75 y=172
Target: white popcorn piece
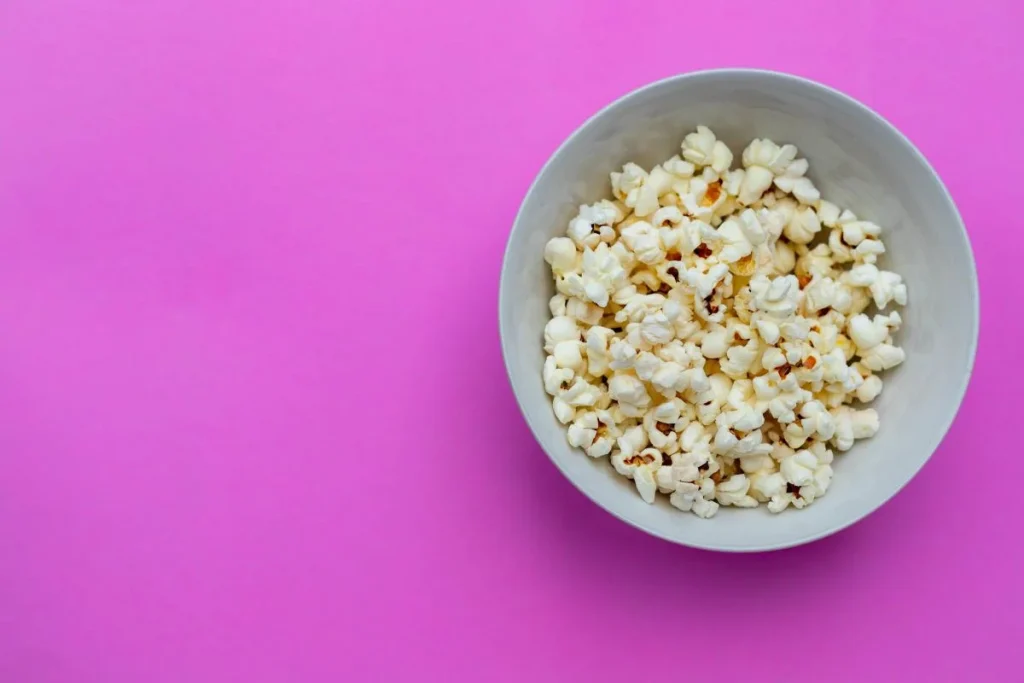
x=869 y=250
x=583 y=430
x=628 y=389
x=795 y=329
x=868 y=333
x=657 y=183
x=581 y=393
x=733 y=491
x=840 y=251
x=656 y=328
x=559 y=329
x=602 y=274
x=560 y=253
x=739 y=359
x=715 y=342
x=710 y=402
x=564 y=412
x=630 y=442
x=626 y=184
x=627 y=464
x=869 y=389
x=606 y=434
x=789 y=180
x=778 y=297
x=839 y=376
x=803 y=227
x=853 y=424
x=593 y=222
x=557 y=305
x=828 y=213
x=756 y=180
x=623 y=355
x=798 y=469
x=767 y=329
x=822 y=294
x=666 y=220
x=684 y=496
x=704 y=283
x=702 y=148
x=763 y=160
x=646 y=365
x=644 y=241
x=815 y=263
x=597 y=340
x=887 y=288
x=882 y=357
x=583 y=311
x=556 y=379
x=679 y=168
x=855 y=232
x=704 y=199
x=569 y=354
x=646 y=485
x=861 y=275
x=767 y=485
x=805 y=191
x=783 y=259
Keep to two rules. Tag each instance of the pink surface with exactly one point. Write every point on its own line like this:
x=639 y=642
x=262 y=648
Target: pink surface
x=255 y=424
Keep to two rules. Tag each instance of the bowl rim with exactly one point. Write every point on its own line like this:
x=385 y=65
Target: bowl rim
x=950 y=205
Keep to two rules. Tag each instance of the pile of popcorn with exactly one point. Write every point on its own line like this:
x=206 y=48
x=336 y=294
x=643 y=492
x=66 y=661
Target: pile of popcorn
x=709 y=332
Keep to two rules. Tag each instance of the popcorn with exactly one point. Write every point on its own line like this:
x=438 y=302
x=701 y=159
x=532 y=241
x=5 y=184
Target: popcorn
x=701 y=342
x=828 y=213
x=560 y=253
x=623 y=355
x=867 y=333
x=868 y=250
x=764 y=160
x=853 y=424
x=596 y=344
x=593 y=224
x=869 y=389
x=628 y=389
x=703 y=149
x=583 y=311
x=557 y=305
x=626 y=184
x=798 y=469
x=805 y=191
x=882 y=357
x=556 y=380
x=704 y=283
x=657 y=183
x=581 y=393
x=803 y=227
x=733 y=491
x=568 y=354
x=887 y=288
x=564 y=412
x=583 y=431
x=778 y=297
x=644 y=241
x=559 y=329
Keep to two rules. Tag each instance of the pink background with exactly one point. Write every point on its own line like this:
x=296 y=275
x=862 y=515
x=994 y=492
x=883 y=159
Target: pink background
x=254 y=424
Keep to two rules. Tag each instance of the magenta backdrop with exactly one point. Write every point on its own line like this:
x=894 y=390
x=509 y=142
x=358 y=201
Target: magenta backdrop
x=255 y=424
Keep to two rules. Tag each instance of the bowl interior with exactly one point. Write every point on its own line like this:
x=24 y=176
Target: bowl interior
x=858 y=161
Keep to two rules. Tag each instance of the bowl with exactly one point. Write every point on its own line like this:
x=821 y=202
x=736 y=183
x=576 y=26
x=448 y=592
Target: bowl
x=859 y=161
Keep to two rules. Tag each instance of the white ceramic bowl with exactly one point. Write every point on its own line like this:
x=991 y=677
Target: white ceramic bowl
x=859 y=161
